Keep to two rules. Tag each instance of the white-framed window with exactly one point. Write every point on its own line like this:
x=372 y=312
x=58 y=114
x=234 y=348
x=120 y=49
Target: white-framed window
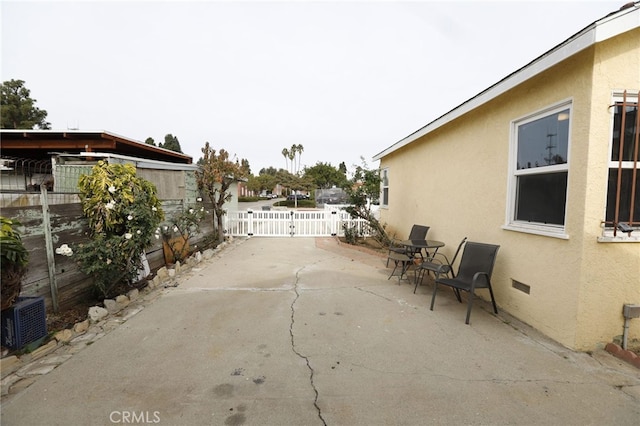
x=539 y=170
x=623 y=187
x=384 y=187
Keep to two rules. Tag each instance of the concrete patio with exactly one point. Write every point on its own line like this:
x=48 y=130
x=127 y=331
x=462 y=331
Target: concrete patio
x=303 y=331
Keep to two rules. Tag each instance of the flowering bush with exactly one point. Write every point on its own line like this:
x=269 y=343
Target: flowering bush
x=177 y=233
x=123 y=212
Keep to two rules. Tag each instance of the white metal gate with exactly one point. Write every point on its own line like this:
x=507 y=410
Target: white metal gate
x=291 y=223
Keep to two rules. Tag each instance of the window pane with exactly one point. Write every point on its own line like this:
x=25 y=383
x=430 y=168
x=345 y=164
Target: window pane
x=544 y=142
x=385 y=196
x=625 y=196
x=630 y=132
x=541 y=198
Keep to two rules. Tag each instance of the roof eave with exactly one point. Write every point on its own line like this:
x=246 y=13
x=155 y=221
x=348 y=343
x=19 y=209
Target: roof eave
x=603 y=29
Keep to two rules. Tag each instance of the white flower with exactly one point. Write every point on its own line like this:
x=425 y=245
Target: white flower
x=175 y=229
x=64 y=250
x=201 y=209
x=199 y=199
x=110 y=205
x=128 y=236
x=191 y=211
x=154 y=209
x=138 y=232
x=112 y=189
x=157 y=237
x=129 y=217
x=108 y=261
x=166 y=227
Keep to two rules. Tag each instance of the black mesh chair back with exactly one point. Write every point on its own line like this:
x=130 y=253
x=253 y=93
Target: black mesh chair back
x=476 y=267
x=477 y=257
x=418 y=232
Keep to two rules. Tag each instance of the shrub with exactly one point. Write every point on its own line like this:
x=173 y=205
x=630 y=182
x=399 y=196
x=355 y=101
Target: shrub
x=13 y=261
x=124 y=213
x=182 y=227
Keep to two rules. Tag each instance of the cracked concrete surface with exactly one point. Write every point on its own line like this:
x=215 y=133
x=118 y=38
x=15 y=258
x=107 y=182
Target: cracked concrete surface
x=299 y=331
x=304 y=357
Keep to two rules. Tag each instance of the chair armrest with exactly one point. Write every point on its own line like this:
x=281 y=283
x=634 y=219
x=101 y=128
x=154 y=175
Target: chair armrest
x=436 y=265
x=476 y=277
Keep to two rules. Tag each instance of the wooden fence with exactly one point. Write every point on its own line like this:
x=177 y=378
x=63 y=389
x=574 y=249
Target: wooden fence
x=52 y=219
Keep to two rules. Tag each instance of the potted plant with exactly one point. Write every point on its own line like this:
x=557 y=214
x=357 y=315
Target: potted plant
x=13 y=261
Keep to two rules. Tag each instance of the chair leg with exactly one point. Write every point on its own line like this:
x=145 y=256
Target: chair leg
x=433 y=297
x=469 y=305
x=457 y=293
x=493 y=301
x=420 y=275
x=394 y=268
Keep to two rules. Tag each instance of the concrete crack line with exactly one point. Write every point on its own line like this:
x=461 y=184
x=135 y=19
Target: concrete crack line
x=304 y=357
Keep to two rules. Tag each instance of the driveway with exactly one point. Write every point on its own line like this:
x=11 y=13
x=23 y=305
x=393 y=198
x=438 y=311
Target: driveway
x=303 y=331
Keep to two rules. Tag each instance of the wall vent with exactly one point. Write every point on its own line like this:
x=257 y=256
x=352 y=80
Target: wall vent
x=520 y=286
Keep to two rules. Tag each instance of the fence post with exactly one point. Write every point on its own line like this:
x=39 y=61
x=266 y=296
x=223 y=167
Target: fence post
x=249 y=222
x=51 y=262
x=334 y=222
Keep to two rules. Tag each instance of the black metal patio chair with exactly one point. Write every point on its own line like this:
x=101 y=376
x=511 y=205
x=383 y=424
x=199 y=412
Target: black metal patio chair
x=476 y=267
x=439 y=265
x=418 y=232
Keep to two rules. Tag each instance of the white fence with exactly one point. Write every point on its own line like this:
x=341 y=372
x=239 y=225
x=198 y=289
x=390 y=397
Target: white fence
x=291 y=223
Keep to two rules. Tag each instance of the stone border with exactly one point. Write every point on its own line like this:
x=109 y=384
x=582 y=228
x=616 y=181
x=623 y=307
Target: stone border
x=623 y=354
x=18 y=372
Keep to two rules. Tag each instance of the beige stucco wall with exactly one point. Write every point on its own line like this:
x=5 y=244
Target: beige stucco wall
x=610 y=271
x=455 y=180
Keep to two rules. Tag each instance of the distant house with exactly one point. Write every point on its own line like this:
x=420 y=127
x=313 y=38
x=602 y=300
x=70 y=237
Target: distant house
x=61 y=157
x=30 y=158
x=545 y=164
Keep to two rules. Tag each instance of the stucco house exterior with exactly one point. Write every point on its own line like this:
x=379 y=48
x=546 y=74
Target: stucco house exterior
x=538 y=164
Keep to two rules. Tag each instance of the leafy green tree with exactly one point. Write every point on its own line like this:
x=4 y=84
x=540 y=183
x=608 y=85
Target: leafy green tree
x=18 y=110
x=218 y=172
x=324 y=175
x=268 y=171
x=244 y=163
x=150 y=141
x=261 y=183
x=362 y=189
x=295 y=182
x=343 y=168
x=171 y=142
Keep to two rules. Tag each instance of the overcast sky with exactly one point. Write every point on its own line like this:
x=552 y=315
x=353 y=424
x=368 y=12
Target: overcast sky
x=345 y=79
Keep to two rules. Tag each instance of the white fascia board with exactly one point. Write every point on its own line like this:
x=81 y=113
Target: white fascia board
x=139 y=162
x=611 y=26
x=607 y=27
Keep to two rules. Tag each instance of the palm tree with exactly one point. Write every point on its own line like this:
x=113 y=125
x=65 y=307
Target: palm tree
x=285 y=153
x=299 y=149
x=292 y=157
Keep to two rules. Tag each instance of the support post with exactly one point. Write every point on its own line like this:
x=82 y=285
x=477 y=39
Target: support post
x=51 y=262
